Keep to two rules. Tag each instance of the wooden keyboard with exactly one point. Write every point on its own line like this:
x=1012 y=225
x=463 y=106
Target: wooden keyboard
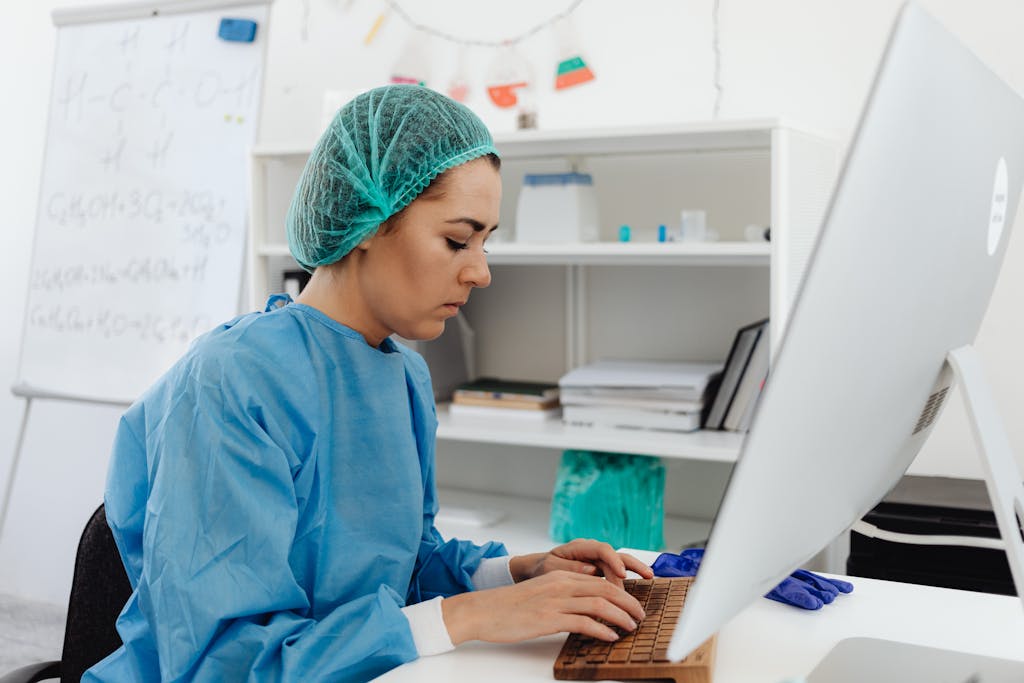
x=644 y=652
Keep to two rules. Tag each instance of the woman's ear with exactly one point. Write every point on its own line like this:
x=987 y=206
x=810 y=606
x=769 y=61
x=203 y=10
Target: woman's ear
x=382 y=229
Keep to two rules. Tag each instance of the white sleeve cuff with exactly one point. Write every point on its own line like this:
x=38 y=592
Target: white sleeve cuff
x=426 y=622
x=493 y=572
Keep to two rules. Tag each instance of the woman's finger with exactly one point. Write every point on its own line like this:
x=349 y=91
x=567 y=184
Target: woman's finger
x=577 y=623
x=585 y=587
x=577 y=567
x=599 y=608
x=609 y=574
x=635 y=565
x=598 y=553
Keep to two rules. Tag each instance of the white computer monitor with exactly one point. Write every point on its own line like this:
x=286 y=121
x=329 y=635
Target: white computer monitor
x=905 y=263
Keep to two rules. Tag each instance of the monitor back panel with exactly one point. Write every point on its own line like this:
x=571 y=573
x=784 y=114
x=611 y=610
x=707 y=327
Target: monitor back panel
x=905 y=263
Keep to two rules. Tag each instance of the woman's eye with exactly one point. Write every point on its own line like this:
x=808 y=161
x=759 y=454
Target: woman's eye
x=456 y=246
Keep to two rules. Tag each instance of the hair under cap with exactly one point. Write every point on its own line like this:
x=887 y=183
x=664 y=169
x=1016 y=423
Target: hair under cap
x=380 y=151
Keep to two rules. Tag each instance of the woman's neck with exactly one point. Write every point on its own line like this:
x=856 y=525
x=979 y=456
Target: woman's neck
x=334 y=291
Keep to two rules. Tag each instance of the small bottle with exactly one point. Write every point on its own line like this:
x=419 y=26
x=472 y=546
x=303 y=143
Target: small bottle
x=624 y=233
x=526 y=111
x=693 y=225
x=662 y=233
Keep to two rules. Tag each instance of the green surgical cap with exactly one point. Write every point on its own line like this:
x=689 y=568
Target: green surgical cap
x=378 y=154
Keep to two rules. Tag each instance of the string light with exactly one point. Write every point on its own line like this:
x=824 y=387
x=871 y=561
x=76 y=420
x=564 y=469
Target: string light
x=397 y=8
x=400 y=11
x=717 y=77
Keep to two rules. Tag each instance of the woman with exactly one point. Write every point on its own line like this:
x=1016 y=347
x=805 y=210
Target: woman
x=273 y=495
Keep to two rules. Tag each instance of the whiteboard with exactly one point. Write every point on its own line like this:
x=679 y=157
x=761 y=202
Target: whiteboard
x=141 y=221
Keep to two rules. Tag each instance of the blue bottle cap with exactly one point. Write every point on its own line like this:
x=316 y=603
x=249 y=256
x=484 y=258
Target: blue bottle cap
x=538 y=179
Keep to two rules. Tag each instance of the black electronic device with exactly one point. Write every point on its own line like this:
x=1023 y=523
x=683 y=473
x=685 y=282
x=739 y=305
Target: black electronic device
x=928 y=507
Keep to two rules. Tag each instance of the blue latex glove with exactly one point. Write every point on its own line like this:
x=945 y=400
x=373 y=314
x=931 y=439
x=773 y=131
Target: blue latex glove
x=802 y=588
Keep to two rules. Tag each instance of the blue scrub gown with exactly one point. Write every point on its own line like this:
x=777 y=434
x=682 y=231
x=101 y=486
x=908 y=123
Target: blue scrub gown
x=273 y=499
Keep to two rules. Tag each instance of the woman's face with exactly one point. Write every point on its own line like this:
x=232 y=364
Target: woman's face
x=417 y=275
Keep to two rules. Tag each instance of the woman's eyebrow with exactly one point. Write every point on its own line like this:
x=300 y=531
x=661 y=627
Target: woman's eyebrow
x=473 y=223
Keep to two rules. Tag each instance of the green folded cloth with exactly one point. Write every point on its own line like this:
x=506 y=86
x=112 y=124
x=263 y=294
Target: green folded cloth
x=613 y=497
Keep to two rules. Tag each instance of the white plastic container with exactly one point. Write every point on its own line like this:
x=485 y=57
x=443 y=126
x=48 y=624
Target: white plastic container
x=557 y=207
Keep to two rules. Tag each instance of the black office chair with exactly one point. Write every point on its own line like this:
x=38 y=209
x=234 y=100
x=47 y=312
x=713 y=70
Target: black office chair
x=99 y=591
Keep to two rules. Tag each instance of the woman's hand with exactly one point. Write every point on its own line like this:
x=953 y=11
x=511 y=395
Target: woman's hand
x=582 y=556
x=556 y=602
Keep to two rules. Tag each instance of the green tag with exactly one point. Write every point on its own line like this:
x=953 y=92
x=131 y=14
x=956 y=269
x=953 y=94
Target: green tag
x=571 y=64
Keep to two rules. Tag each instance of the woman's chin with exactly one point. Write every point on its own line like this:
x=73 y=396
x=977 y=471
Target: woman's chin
x=423 y=332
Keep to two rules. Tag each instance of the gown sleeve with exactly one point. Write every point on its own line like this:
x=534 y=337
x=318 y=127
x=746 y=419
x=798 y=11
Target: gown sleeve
x=446 y=567
x=443 y=568
x=215 y=586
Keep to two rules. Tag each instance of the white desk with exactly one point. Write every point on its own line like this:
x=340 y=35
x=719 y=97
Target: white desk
x=770 y=642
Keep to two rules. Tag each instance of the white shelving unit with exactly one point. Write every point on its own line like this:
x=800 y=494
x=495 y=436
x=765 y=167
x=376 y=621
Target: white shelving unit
x=554 y=307
x=608 y=253
x=632 y=254
x=714 y=446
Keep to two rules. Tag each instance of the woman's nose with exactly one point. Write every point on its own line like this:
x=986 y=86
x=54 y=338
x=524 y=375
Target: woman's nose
x=477 y=274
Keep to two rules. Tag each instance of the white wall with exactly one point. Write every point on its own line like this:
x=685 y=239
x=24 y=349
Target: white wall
x=808 y=60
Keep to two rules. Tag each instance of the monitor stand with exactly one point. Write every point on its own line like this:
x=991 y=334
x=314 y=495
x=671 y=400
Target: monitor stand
x=1003 y=479
x=858 y=660
x=854 y=660
x=1002 y=475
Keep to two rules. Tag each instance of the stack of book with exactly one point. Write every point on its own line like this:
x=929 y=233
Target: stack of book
x=742 y=380
x=661 y=395
x=492 y=397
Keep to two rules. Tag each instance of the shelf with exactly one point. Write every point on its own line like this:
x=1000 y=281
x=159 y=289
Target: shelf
x=696 y=136
x=713 y=446
x=690 y=137
x=632 y=253
x=276 y=249
x=613 y=253
x=287 y=154
x=524 y=526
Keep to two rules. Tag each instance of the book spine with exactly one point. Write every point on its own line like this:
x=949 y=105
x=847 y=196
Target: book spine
x=739 y=356
x=456 y=410
x=510 y=403
x=585 y=416
x=508 y=395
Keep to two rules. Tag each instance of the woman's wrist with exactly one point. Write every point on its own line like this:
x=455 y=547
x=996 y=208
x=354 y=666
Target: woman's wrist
x=521 y=566
x=457 y=612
